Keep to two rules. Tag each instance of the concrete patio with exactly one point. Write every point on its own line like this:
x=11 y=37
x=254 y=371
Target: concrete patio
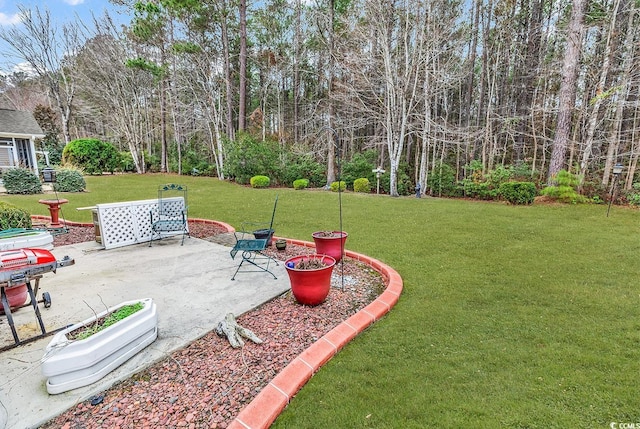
x=191 y=286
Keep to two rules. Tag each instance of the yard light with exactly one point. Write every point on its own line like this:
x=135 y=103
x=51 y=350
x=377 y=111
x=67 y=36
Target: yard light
x=617 y=171
x=379 y=172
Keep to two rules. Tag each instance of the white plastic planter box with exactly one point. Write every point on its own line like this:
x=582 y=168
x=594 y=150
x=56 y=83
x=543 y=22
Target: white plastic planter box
x=27 y=238
x=72 y=364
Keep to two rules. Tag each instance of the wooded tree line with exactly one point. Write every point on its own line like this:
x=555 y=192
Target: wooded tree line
x=543 y=85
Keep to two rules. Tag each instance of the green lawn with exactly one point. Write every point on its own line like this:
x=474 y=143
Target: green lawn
x=515 y=317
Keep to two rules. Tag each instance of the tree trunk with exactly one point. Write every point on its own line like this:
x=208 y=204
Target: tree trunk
x=242 y=92
x=567 y=96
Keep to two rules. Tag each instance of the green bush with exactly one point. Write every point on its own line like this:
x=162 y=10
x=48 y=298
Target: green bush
x=259 y=182
x=633 y=196
x=126 y=162
x=564 y=189
x=300 y=184
x=518 y=192
x=91 y=155
x=479 y=190
x=69 y=180
x=481 y=186
x=21 y=181
x=248 y=156
x=441 y=181
x=362 y=185
x=341 y=184
x=360 y=165
x=297 y=166
x=13 y=217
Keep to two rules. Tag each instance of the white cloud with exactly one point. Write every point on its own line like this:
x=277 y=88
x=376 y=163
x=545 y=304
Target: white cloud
x=74 y=2
x=9 y=19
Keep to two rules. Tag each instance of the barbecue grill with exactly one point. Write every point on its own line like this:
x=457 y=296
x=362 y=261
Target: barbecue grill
x=18 y=268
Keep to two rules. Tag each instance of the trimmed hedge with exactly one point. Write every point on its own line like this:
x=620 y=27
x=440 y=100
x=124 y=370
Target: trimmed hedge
x=13 y=217
x=362 y=185
x=21 y=181
x=92 y=155
x=69 y=180
x=300 y=184
x=342 y=184
x=260 y=182
x=518 y=192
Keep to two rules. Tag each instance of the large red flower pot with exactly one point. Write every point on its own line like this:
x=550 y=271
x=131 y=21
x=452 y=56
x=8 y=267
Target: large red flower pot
x=330 y=243
x=310 y=286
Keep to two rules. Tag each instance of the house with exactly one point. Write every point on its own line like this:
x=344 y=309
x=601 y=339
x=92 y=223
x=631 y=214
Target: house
x=18 y=132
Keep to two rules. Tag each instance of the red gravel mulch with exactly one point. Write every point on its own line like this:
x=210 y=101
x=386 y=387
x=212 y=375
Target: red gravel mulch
x=206 y=384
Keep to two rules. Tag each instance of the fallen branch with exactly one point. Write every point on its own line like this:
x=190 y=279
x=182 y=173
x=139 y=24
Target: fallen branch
x=229 y=328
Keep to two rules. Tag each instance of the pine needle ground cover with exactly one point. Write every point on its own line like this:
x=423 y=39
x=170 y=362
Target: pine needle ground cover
x=510 y=317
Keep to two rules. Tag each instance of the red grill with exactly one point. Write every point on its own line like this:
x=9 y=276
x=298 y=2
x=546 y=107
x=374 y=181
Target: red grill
x=18 y=268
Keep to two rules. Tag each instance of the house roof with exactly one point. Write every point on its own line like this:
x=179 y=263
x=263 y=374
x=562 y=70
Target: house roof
x=17 y=123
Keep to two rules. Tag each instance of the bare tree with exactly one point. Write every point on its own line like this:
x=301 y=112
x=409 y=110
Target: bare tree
x=48 y=50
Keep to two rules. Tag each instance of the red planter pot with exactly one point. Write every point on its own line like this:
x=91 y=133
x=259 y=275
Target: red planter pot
x=332 y=246
x=310 y=287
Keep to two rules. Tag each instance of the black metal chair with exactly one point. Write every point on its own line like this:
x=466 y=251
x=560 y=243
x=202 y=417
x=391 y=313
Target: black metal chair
x=251 y=241
x=170 y=217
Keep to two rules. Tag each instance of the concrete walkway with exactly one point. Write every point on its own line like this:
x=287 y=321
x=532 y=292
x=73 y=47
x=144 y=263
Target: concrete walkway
x=190 y=284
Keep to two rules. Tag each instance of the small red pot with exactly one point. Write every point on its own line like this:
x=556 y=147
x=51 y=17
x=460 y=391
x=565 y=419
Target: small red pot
x=332 y=246
x=310 y=287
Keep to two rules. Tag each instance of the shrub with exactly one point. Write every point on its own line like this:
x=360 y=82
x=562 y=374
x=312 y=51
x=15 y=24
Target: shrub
x=69 y=180
x=21 y=181
x=259 y=182
x=300 y=184
x=91 y=155
x=13 y=217
x=564 y=189
x=126 y=162
x=341 y=184
x=360 y=165
x=633 y=196
x=442 y=181
x=248 y=156
x=362 y=185
x=297 y=166
x=518 y=192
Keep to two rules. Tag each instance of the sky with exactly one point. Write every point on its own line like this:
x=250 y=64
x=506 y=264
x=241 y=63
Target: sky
x=62 y=11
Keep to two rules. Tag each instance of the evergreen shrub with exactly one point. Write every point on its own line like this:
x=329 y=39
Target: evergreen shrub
x=633 y=196
x=259 y=182
x=362 y=185
x=518 y=192
x=91 y=155
x=13 y=217
x=360 y=165
x=300 y=184
x=21 y=181
x=564 y=188
x=296 y=166
x=69 y=180
x=342 y=184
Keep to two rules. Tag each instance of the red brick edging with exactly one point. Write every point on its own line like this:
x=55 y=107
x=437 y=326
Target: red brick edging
x=269 y=403
x=224 y=225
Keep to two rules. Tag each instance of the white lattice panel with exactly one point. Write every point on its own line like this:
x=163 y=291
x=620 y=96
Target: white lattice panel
x=122 y=224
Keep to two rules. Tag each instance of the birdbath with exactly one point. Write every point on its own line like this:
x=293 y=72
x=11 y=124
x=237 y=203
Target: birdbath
x=54 y=210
